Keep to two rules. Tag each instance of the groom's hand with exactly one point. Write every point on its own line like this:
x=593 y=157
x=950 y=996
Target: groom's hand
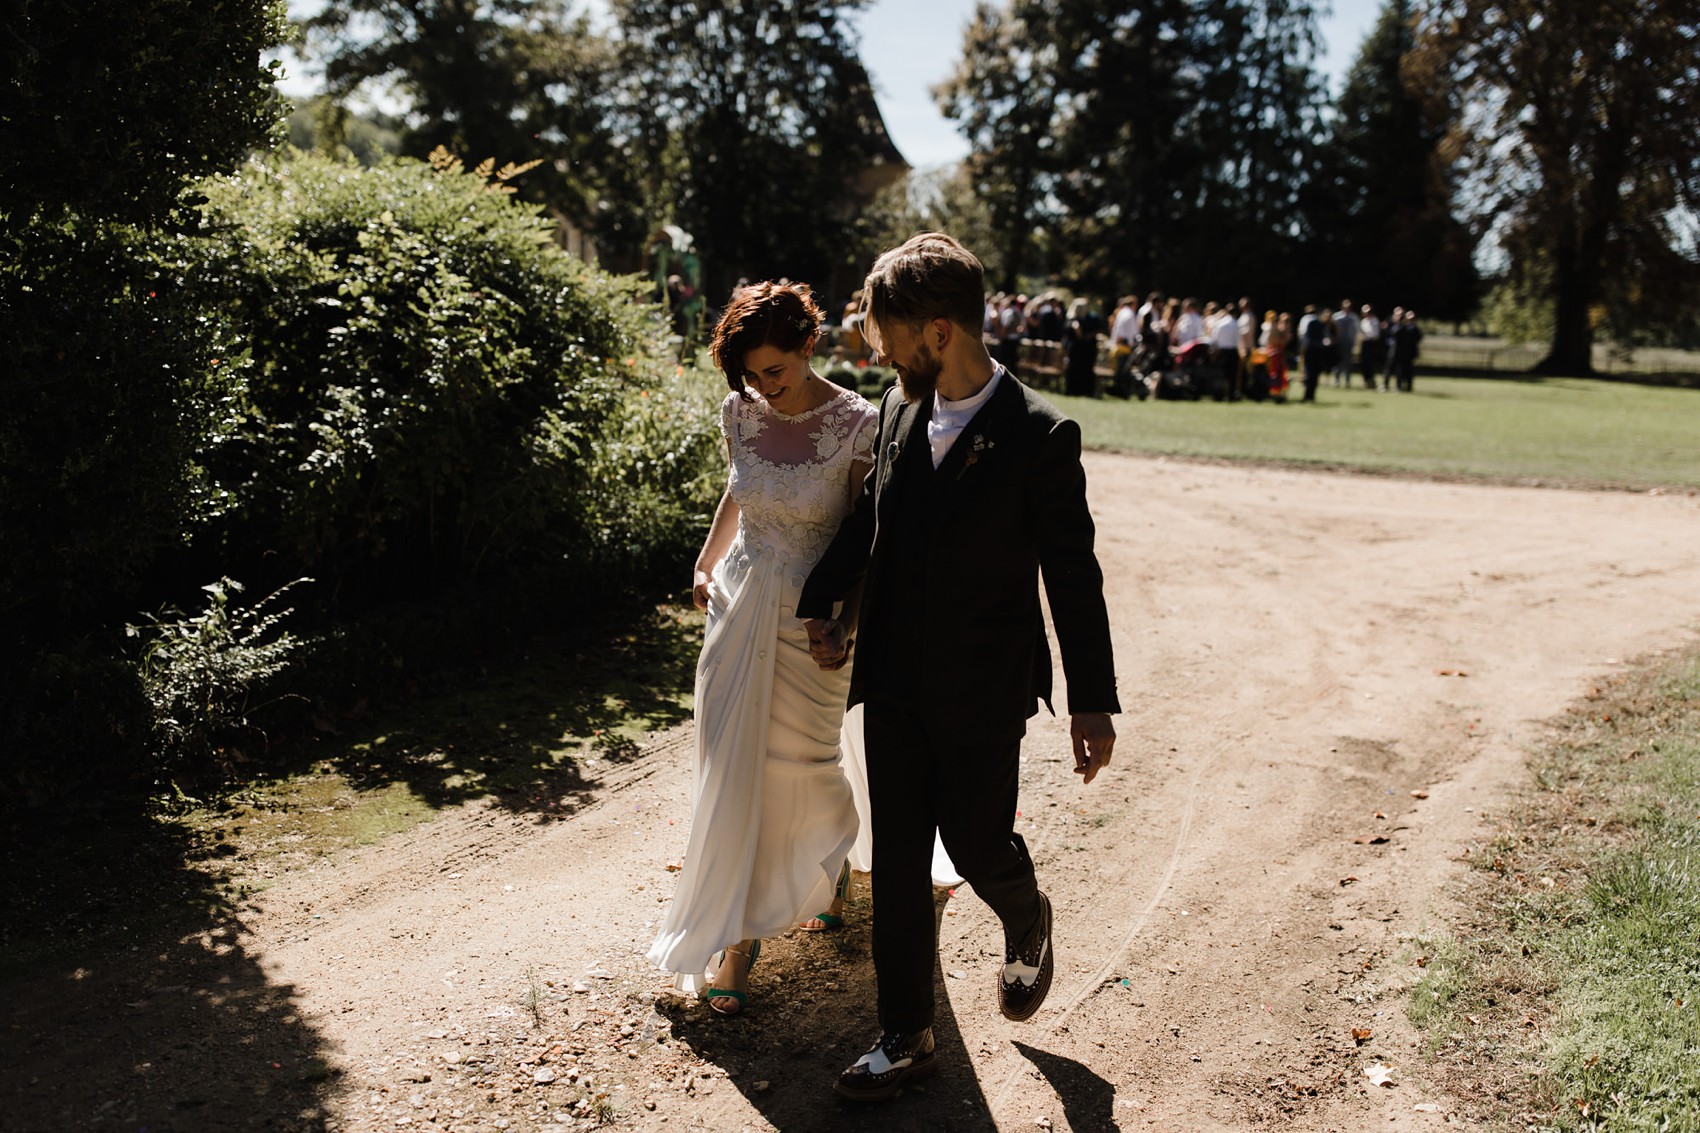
x=829 y=642
x=1093 y=736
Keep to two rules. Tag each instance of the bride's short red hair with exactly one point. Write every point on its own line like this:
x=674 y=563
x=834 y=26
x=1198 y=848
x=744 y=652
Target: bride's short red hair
x=781 y=315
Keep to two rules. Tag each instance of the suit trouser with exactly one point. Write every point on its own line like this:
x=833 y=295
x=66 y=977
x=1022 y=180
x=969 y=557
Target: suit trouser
x=919 y=780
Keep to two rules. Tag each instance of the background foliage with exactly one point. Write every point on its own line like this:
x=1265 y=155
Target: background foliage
x=1190 y=146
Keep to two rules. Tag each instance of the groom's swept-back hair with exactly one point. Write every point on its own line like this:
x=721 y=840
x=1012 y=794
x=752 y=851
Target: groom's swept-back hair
x=930 y=276
x=783 y=315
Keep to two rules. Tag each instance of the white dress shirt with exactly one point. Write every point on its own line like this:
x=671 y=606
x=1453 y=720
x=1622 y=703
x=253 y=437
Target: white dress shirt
x=951 y=417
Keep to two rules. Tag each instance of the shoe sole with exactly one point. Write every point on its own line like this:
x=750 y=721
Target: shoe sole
x=1042 y=985
x=913 y=1072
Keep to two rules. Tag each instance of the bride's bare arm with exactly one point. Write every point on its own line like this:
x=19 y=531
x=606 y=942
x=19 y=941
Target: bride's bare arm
x=714 y=548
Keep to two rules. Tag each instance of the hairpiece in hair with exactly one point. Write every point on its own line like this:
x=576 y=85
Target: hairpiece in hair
x=804 y=322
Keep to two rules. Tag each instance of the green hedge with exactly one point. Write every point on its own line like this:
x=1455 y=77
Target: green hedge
x=390 y=381
x=430 y=383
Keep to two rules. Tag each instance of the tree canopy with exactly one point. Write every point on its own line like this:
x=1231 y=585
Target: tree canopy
x=517 y=80
x=749 y=119
x=1387 y=183
x=1575 y=124
x=1150 y=140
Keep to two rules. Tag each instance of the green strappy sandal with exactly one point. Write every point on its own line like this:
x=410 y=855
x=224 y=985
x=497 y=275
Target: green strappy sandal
x=723 y=1000
x=829 y=921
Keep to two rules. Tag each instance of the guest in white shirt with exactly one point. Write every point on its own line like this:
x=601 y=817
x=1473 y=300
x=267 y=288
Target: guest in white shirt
x=1189 y=328
x=1372 y=345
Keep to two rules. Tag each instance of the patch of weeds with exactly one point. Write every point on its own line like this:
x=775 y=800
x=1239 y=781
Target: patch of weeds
x=1573 y=1003
x=603 y=1111
x=534 y=995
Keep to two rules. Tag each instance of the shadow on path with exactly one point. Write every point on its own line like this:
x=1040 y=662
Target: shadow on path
x=812 y=1016
x=1089 y=1102
x=130 y=1003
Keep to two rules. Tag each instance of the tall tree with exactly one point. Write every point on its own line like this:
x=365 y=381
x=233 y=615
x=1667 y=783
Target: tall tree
x=1384 y=201
x=1004 y=98
x=517 y=80
x=1578 y=123
x=751 y=119
x=1161 y=141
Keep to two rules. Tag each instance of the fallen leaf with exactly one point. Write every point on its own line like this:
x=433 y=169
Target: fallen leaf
x=1379 y=1074
x=1344 y=881
x=1370 y=839
x=1361 y=1034
x=1419 y=794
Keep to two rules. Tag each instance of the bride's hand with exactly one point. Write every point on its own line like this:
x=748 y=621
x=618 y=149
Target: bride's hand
x=699 y=590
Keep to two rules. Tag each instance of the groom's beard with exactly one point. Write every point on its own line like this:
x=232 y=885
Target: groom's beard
x=922 y=378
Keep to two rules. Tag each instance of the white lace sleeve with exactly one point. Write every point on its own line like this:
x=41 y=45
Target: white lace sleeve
x=865 y=433
x=728 y=416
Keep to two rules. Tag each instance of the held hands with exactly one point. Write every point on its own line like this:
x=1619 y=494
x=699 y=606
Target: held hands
x=829 y=642
x=1093 y=736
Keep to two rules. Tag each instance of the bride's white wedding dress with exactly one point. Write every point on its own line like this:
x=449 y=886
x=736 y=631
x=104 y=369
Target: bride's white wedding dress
x=773 y=816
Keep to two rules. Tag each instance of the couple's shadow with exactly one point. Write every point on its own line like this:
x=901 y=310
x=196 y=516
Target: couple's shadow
x=812 y=1013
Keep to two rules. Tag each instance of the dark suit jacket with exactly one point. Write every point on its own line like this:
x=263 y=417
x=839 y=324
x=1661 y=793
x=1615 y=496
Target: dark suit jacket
x=1009 y=502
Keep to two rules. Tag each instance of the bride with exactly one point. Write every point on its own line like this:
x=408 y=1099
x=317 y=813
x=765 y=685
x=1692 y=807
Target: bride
x=774 y=819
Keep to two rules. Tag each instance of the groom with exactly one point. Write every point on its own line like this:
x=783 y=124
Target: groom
x=976 y=489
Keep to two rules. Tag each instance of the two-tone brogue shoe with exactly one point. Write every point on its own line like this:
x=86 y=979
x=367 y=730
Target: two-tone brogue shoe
x=1027 y=969
x=898 y=1059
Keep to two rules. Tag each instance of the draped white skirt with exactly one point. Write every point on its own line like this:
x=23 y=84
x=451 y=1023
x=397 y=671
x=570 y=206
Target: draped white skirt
x=773 y=817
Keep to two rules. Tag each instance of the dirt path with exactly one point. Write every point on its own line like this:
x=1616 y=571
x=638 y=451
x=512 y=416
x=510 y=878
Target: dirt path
x=1328 y=680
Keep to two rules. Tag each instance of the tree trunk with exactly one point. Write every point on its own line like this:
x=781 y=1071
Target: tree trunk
x=1572 y=352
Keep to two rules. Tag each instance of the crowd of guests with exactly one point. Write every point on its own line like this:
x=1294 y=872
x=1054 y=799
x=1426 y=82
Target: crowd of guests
x=1145 y=339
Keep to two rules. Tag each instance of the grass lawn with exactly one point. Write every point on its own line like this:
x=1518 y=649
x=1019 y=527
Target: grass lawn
x=1562 y=431
x=1574 y=1001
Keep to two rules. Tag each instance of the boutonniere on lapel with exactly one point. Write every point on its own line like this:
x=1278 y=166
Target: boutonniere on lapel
x=891 y=453
x=980 y=445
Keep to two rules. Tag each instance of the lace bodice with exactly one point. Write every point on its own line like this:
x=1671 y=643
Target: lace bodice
x=791 y=475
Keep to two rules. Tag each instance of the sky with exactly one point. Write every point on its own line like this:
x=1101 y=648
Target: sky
x=911 y=45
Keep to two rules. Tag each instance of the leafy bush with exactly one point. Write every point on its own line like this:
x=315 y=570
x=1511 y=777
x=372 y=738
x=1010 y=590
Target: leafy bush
x=389 y=379
x=112 y=387
x=201 y=673
x=663 y=466
x=429 y=381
